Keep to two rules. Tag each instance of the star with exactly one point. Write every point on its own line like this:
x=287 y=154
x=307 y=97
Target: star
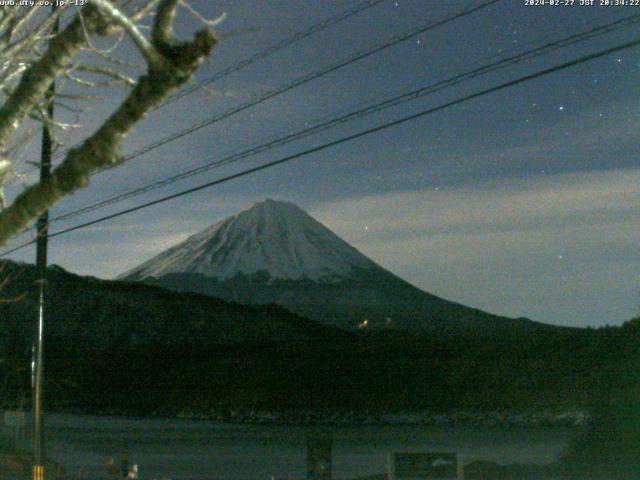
x=561 y=108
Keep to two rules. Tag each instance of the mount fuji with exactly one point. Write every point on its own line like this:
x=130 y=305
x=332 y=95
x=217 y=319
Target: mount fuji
x=275 y=252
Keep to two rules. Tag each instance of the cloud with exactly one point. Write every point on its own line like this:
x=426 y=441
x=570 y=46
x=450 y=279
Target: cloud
x=556 y=248
x=559 y=248
x=110 y=252
x=109 y=249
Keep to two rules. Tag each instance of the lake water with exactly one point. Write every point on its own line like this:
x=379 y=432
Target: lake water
x=182 y=449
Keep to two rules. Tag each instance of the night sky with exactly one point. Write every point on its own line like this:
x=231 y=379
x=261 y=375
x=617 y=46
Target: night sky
x=524 y=202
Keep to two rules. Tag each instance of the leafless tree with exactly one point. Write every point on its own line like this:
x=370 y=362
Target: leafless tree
x=33 y=55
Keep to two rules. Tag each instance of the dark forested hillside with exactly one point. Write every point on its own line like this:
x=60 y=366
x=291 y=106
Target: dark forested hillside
x=127 y=348
x=275 y=252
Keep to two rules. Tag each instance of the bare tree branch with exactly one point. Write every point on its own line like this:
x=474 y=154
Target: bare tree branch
x=172 y=64
x=145 y=47
x=37 y=78
x=162 y=30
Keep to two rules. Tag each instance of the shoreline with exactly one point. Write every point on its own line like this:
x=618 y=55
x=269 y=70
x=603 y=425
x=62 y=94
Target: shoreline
x=296 y=418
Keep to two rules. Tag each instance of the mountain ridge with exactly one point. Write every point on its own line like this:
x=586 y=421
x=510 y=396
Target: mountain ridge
x=277 y=237
x=275 y=252
x=130 y=348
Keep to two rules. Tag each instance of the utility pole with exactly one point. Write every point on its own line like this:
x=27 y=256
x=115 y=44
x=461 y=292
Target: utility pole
x=37 y=471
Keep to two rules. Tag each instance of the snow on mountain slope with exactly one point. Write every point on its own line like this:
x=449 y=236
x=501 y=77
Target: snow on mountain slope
x=274 y=237
x=275 y=252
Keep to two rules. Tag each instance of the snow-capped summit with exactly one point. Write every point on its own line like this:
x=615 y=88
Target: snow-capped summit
x=275 y=252
x=278 y=238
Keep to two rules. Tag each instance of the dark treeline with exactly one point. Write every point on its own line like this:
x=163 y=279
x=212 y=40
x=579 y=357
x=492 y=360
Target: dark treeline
x=136 y=349
x=440 y=376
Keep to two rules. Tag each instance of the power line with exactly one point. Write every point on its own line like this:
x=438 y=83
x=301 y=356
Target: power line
x=373 y=108
x=296 y=83
x=19 y=247
x=296 y=37
x=273 y=49
x=385 y=126
x=303 y=80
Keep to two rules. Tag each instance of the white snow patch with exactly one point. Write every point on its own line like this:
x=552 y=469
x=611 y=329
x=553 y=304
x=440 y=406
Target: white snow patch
x=276 y=237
